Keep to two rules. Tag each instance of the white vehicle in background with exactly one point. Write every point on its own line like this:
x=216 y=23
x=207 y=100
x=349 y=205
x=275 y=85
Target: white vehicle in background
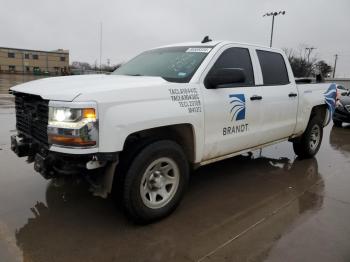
x=164 y=112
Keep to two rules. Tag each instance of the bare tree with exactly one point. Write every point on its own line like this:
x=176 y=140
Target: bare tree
x=304 y=61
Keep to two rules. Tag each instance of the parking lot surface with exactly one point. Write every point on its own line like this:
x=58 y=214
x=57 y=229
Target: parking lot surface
x=268 y=207
x=9 y=80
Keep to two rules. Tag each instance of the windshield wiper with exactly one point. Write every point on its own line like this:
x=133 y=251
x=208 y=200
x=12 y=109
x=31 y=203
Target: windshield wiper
x=133 y=74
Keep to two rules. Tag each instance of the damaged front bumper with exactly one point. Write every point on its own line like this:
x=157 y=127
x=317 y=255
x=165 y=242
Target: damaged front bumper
x=97 y=168
x=53 y=164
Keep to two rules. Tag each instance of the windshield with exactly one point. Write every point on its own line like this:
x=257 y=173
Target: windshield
x=175 y=64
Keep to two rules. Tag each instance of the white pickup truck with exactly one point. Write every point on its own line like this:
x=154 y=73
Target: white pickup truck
x=139 y=131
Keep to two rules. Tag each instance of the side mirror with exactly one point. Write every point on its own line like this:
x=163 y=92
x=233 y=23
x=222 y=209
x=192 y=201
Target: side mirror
x=224 y=77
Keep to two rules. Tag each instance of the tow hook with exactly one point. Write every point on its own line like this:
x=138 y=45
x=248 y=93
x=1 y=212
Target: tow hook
x=95 y=163
x=19 y=147
x=43 y=165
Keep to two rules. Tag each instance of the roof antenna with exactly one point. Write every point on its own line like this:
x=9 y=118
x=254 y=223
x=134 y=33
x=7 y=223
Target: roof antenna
x=206 y=39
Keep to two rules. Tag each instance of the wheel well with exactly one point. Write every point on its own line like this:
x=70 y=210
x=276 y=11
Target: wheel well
x=183 y=134
x=320 y=112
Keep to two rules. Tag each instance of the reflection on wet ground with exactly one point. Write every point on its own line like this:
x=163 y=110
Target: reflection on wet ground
x=9 y=80
x=340 y=140
x=268 y=207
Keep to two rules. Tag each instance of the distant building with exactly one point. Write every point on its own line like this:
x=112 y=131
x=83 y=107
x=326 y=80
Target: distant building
x=25 y=61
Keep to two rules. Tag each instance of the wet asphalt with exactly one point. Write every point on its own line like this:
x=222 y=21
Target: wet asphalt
x=268 y=207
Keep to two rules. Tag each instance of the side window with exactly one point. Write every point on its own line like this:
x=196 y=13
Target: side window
x=273 y=68
x=236 y=57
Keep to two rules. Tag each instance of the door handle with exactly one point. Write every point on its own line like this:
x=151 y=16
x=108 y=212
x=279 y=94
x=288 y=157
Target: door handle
x=255 y=97
x=293 y=94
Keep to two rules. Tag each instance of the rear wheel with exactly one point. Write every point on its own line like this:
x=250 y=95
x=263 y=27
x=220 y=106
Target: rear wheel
x=309 y=143
x=337 y=123
x=155 y=182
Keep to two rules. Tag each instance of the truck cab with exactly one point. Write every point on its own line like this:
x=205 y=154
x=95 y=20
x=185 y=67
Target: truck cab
x=245 y=112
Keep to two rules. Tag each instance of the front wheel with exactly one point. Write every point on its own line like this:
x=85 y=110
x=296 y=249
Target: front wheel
x=155 y=182
x=309 y=143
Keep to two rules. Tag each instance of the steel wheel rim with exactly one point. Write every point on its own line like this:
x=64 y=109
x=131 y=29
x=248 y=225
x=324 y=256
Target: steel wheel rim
x=315 y=137
x=159 y=182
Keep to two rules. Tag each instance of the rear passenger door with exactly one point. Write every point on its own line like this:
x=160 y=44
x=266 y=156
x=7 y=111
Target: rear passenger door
x=280 y=97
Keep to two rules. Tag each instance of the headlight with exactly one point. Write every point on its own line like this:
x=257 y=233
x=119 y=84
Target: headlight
x=73 y=124
x=65 y=114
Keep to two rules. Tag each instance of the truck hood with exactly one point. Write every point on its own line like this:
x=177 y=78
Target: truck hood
x=67 y=88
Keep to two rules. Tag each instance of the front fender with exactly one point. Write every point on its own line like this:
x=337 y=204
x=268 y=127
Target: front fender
x=119 y=121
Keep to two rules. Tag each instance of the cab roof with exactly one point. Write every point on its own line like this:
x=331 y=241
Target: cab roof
x=219 y=43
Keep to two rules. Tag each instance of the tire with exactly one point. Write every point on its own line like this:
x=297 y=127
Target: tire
x=155 y=182
x=126 y=158
x=309 y=143
x=337 y=123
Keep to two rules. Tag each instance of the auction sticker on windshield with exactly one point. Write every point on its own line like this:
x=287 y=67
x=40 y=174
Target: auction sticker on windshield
x=198 y=50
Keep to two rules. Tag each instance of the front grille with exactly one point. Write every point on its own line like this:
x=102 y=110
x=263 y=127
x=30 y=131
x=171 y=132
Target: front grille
x=32 y=116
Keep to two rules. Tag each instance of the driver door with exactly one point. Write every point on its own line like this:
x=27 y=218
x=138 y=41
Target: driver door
x=232 y=113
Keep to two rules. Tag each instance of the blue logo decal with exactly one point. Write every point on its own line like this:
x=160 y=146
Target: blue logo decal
x=238 y=106
x=330 y=98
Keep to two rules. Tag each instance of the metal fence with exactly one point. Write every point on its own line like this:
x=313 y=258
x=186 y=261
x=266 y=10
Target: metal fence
x=345 y=82
x=87 y=72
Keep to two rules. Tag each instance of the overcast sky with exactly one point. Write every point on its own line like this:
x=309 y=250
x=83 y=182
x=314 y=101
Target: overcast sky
x=131 y=26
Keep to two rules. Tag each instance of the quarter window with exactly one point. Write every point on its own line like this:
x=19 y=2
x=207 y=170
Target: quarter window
x=273 y=68
x=236 y=57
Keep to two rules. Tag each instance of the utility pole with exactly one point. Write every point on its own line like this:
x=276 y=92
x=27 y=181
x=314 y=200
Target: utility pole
x=335 y=64
x=100 y=46
x=273 y=14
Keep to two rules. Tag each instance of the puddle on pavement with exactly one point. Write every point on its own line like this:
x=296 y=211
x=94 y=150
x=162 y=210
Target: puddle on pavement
x=244 y=208
x=221 y=202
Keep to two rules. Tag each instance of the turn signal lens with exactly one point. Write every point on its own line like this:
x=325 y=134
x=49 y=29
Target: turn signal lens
x=70 y=141
x=89 y=113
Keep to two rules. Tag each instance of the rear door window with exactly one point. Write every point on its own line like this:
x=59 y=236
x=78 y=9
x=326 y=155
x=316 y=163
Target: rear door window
x=273 y=68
